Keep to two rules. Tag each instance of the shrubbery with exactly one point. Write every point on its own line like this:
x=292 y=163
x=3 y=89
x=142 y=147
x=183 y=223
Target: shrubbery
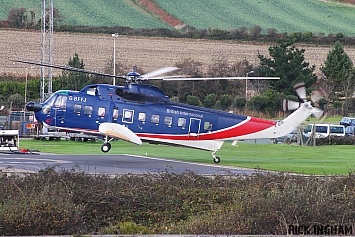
x=67 y=202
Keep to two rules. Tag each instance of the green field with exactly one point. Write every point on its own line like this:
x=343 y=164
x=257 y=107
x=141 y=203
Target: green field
x=91 y=12
x=283 y=15
x=285 y=158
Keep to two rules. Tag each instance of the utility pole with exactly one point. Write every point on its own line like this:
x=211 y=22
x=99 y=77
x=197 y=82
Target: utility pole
x=46 y=49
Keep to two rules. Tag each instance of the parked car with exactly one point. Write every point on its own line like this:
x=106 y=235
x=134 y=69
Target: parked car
x=350 y=130
x=291 y=137
x=346 y=121
x=324 y=130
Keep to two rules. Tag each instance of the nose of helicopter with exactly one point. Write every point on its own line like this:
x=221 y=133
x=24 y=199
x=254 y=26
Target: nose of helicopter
x=33 y=106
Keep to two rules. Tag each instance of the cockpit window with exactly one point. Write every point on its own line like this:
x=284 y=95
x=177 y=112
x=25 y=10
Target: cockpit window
x=91 y=91
x=48 y=104
x=61 y=102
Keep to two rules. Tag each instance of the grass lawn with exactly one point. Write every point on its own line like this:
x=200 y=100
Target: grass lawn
x=329 y=160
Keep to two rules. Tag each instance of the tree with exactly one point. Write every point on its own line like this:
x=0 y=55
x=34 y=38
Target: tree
x=57 y=17
x=269 y=102
x=183 y=88
x=338 y=73
x=225 y=101
x=286 y=62
x=255 y=31
x=74 y=80
x=17 y=17
x=210 y=101
x=193 y=100
x=16 y=101
x=240 y=103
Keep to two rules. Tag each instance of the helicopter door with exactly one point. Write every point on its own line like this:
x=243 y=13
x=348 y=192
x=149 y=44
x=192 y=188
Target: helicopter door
x=194 y=128
x=59 y=109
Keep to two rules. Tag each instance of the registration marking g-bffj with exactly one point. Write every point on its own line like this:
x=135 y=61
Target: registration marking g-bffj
x=77 y=98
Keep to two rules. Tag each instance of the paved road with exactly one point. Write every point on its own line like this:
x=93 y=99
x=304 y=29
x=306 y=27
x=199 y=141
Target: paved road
x=110 y=164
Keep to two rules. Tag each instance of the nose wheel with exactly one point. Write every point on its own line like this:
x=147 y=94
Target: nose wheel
x=216 y=159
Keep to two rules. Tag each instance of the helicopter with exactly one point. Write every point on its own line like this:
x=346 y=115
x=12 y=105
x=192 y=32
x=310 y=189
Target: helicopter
x=138 y=112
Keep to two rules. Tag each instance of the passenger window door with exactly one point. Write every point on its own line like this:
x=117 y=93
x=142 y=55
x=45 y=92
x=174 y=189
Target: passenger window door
x=128 y=116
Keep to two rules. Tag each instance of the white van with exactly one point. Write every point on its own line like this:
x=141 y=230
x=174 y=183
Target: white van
x=324 y=130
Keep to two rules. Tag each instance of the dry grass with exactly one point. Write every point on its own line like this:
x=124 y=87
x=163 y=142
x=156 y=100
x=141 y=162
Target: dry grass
x=147 y=53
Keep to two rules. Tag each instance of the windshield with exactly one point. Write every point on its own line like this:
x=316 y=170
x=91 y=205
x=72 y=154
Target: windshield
x=308 y=129
x=350 y=129
x=48 y=104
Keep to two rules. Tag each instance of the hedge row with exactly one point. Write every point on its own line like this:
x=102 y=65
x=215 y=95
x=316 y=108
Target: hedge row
x=63 y=202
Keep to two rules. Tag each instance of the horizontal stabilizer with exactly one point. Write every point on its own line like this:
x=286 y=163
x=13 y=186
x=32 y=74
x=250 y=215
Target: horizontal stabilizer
x=318 y=113
x=120 y=132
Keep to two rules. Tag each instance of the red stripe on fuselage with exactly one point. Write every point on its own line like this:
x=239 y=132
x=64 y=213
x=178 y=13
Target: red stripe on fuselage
x=252 y=126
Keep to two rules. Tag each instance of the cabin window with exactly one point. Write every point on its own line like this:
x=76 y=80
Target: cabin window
x=61 y=102
x=182 y=122
x=115 y=113
x=91 y=91
x=322 y=129
x=77 y=108
x=339 y=130
x=128 y=116
x=168 y=120
x=155 y=118
x=207 y=126
x=88 y=110
x=141 y=117
x=101 y=112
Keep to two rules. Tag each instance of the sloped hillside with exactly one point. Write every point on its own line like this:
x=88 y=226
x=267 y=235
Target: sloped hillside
x=316 y=16
x=150 y=6
x=91 y=12
x=283 y=15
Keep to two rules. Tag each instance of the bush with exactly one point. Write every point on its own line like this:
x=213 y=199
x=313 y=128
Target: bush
x=193 y=100
x=335 y=140
x=68 y=202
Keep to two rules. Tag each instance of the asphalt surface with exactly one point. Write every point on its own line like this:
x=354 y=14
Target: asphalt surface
x=109 y=164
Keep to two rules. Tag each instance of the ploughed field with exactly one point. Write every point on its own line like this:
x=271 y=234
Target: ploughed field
x=96 y=50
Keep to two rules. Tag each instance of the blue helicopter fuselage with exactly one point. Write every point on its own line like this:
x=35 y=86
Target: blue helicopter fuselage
x=145 y=110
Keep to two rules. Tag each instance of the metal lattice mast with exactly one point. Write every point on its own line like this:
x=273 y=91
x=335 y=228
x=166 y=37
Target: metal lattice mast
x=46 y=49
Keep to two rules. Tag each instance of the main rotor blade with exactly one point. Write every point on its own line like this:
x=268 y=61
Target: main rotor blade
x=158 y=72
x=73 y=69
x=177 y=78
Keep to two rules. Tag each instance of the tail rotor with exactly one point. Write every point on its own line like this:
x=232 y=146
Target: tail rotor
x=315 y=97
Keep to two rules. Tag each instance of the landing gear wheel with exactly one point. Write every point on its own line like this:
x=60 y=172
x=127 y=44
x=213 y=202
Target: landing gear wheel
x=106 y=147
x=216 y=159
